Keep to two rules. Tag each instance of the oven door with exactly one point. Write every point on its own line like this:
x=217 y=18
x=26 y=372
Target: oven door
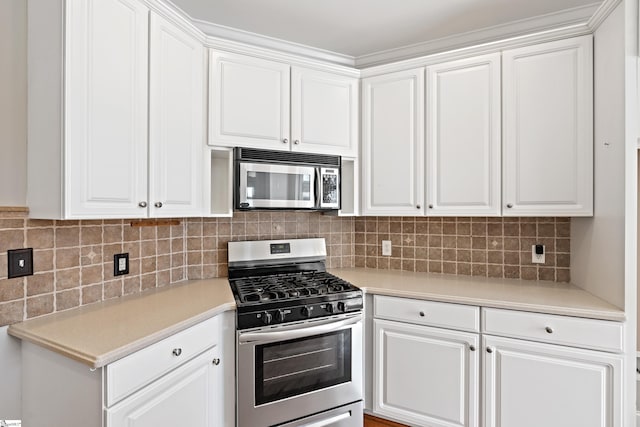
x=264 y=185
x=293 y=371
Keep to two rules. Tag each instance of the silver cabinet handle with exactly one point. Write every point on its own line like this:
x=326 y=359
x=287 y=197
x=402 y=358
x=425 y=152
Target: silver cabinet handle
x=489 y=350
x=177 y=352
x=285 y=141
x=216 y=361
x=509 y=205
x=421 y=314
x=142 y=204
x=297 y=141
x=472 y=347
x=158 y=204
x=549 y=330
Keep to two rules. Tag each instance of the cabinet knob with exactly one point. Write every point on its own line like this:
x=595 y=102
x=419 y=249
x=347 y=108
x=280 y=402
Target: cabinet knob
x=489 y=350
x=142 y=204
x=430 y=206
x=421 y=314
x=285 y=141
x=177 y=352
x=509 y=205
x=549 y=330
x=158 y=204
x=216 y=361
x=297 y=141
x=472 y=347
x=417 y=206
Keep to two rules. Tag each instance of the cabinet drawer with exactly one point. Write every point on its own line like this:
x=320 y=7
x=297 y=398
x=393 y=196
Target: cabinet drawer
x=440 y=314
x=571 y=331
x=130 y=373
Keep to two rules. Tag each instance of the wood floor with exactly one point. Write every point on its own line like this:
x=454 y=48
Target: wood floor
x=371 y=421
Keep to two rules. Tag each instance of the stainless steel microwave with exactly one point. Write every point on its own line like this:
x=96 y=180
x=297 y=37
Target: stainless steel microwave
x=267 y=179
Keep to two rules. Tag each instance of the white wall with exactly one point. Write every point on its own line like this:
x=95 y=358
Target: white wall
x=10 y=376
x=598 y=243
x=13 y=102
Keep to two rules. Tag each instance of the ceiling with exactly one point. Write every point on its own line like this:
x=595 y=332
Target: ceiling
x=362 y=27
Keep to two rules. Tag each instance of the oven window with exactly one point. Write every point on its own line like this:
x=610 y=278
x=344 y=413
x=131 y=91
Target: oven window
x=293 y=367
x=278 y=186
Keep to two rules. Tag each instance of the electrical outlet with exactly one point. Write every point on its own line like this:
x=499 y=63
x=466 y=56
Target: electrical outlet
x=19 y=262
x=386 y=248
x=537 y=254
x=120 y=264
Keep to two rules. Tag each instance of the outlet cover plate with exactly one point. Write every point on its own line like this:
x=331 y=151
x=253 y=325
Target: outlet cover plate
x=120 y=264
x=535 y=258
x=386 y=248
x=19 y=262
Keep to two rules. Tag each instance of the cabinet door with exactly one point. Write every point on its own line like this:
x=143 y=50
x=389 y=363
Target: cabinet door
x=463 y=137
x=324 y=112
x=105 y=108
x=176 y=127
x=425 y=376
x=249 y=102
x=529 y=384
x=393 y=144
x=185 y=397
x=548 y=129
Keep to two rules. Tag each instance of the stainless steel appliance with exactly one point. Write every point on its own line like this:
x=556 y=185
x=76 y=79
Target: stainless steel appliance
x=285 y=180
x=299 y=337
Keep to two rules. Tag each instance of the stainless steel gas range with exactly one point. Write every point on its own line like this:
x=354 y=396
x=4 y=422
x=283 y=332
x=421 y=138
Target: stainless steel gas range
x=299 y=337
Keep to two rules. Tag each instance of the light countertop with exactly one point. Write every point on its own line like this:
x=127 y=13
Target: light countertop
x=541 y=297
x=101 y=333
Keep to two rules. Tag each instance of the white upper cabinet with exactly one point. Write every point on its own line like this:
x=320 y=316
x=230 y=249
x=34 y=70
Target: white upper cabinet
x=463 y=137
x=105 y=145
x=324 y=112
x=249 y=102
x=393 y=144
x=270 y=105
x=116 y=112
x=176 y=127
x=548 y=129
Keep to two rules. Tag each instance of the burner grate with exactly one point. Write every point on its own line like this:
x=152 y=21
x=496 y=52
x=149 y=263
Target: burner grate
x=280 y=287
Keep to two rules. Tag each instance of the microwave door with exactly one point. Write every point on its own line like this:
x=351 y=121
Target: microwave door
x=276 y=186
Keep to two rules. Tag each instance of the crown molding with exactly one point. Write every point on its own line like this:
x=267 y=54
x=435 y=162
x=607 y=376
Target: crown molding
x=478 y=49
x=541 y=23
x=602 y=13
x=261 y=41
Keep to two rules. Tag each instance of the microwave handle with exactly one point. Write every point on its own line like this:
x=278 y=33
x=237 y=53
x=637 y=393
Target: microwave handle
x=299 y=332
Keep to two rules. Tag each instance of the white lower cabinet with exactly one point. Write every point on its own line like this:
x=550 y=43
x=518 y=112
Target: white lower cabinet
x=530 y=384
x=425 y=376
x=182 y=398
x=186 y=379
x=531 y=367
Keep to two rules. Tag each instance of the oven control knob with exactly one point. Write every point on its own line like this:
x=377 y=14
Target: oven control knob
x=306 y=312
x=267 y=318
x=342 y=307
x=279 y=316
x=330 y=308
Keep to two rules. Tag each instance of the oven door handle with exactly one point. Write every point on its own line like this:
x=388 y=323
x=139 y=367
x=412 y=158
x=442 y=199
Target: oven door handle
x=301 y=332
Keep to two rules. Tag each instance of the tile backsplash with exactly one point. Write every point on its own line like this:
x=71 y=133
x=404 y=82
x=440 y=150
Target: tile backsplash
x=73 y=260
x=486 y=247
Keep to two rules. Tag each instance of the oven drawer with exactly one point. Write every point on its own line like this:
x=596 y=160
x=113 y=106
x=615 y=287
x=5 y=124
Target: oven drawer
x=592 y=334
x=142 y=367
x=439 y=314
x=345 y=416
